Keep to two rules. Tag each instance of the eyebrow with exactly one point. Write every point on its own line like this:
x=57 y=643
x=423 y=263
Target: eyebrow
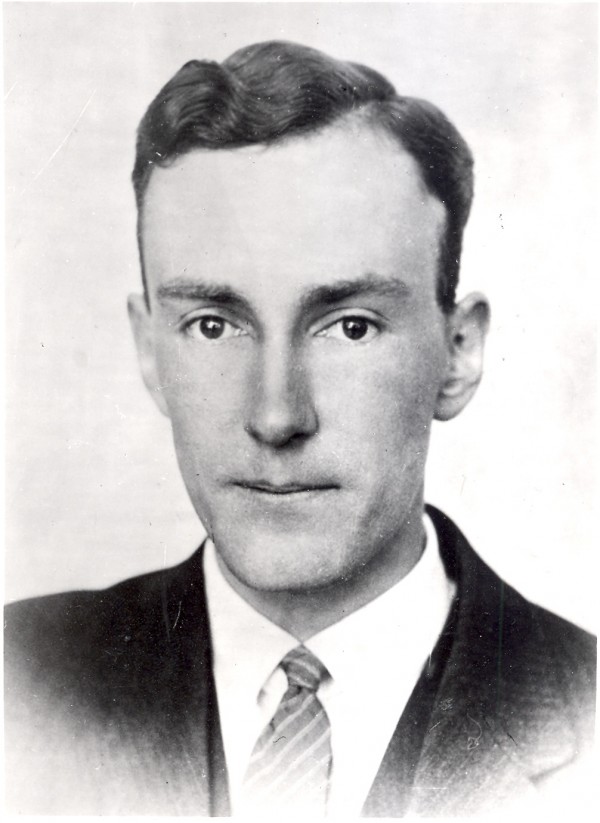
x=184 y=290
x=368 y=284
x=181 y=289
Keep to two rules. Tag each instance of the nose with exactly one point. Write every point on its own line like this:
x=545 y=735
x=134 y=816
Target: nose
x=281 y=407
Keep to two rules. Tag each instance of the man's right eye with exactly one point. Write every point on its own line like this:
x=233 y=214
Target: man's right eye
x=212 y=327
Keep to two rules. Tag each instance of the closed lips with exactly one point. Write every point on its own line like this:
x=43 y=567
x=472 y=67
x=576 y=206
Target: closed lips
x=285 y=488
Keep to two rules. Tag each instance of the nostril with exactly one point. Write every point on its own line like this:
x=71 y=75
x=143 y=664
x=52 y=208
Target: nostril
x=281 y=420
x=281 y=430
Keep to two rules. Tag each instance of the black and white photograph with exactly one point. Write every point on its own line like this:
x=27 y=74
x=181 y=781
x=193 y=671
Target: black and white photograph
x=301 y=423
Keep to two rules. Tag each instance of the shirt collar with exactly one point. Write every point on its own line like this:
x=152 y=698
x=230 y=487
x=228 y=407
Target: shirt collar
x=247 y=647
x=407 y=615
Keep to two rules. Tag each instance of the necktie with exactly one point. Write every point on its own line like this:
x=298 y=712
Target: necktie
x=290 y=765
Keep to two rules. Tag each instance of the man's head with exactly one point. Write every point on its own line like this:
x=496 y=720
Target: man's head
x=271 y=92
x=298 y=329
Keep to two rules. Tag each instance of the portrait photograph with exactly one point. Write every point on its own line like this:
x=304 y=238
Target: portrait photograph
x=301 y=408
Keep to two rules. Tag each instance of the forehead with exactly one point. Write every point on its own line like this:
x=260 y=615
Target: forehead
x=345 y=198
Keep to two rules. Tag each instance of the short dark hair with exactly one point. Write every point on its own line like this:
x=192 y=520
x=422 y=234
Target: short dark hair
x=272 y=91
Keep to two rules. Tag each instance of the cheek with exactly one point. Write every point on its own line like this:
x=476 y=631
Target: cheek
x=385 y=398
x=204 y=392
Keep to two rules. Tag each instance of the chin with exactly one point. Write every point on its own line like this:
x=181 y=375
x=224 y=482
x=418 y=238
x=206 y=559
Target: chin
x=293 y=563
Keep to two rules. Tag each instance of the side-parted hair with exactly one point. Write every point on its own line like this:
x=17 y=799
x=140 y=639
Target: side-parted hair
x=273 y=91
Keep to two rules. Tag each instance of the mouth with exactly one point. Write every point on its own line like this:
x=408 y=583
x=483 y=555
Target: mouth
x=267 y=487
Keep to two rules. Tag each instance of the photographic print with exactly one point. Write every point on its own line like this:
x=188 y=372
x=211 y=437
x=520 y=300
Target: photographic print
x=301 y=380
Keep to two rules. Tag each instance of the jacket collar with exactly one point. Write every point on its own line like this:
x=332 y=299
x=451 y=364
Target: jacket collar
x=482 y=743
x=190 y=716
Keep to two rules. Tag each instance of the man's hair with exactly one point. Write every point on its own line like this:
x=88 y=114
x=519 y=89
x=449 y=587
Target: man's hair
x=272 y=91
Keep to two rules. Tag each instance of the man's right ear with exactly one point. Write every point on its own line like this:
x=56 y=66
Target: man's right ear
x=143 y=333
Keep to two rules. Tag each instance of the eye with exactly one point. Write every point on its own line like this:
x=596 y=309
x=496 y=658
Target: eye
x=351 y=328
x=212 y=327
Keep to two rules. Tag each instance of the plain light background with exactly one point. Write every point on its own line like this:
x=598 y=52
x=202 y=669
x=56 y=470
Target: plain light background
x=94 y=493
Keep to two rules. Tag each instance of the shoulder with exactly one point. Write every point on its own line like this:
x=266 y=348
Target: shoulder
x=485 y=593
x=551 y=663
x=84 y=637
x=125 y=601
x=532 y=657
x=98 y=692
x=517 y=693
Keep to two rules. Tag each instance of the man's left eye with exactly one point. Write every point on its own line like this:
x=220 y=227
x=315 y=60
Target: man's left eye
x=351 y=328
x=212 y=327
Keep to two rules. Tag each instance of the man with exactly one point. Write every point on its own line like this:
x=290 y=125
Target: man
x=333 y=648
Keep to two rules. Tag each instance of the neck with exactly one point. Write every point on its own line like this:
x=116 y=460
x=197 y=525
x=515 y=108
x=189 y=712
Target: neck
x=305 y=613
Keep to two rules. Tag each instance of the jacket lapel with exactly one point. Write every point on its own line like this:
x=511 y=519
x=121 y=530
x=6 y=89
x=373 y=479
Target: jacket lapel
x=480 y=741
x=183 y=719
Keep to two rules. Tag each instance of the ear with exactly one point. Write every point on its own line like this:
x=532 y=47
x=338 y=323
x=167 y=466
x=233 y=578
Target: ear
x=143 y=333
x=467 y=328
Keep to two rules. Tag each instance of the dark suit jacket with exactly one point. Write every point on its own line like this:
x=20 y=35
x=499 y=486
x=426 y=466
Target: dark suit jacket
x=111 y=704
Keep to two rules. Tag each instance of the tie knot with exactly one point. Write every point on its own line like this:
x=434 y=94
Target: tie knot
x=303 y=669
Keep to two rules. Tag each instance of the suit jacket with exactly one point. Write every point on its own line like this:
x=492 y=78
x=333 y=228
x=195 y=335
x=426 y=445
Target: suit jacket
x=111 y=703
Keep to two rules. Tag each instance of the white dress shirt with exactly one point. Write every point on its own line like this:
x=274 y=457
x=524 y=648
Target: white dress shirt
x=374 y=656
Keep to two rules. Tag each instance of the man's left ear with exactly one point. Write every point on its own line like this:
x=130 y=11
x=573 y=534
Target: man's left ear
x=467 y=329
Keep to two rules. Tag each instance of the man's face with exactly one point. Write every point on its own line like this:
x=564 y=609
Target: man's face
x=295 y=342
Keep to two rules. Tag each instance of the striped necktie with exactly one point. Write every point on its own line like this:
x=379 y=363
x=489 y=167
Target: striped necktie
x=290 y=765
